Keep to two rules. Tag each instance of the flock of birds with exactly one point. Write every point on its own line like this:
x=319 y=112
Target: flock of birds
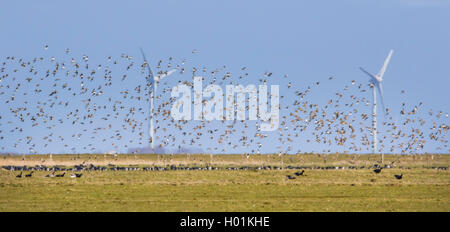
x=70 y=105
x=377 y=170
x=73 y=175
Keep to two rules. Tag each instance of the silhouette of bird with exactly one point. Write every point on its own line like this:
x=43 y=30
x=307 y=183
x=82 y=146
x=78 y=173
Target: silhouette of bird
x=299 y=173
x=377 y=170
x=29 y=175
x=398 y=177
x=76 y=175
x=61 y=175
x=20 y=175
x=290 y=177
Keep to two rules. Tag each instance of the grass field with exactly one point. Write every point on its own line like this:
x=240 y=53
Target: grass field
x=422 y=188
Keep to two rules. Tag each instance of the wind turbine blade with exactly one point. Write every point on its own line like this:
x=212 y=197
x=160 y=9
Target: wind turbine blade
x=380 y=90
x=370 y=75
x=165 y=74
x=383 y=69
x=150 y=78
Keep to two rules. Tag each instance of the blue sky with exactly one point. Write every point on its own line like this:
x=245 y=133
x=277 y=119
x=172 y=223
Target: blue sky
x=308 y=40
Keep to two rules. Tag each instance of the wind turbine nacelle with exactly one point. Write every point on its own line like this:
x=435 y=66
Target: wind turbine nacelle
x=374 y=81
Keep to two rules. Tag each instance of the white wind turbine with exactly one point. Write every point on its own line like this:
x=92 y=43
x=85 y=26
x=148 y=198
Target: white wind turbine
x=153 y=80
x=376 y=80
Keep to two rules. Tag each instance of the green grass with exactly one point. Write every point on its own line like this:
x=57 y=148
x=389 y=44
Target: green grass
x=422 y=189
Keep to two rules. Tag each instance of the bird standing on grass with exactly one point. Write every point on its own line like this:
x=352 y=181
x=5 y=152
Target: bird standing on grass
x=29 y=175
x=398 y=177
x=76 y=175
x=61 y=175
x=378 y=170
x=20 y=175
x=290 y=177
x=299 y=173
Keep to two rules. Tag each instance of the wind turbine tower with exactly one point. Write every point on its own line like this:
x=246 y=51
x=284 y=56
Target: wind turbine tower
x=153 y=81
x=375 y=82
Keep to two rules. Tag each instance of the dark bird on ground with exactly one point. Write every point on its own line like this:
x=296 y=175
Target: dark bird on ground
x=398 y=177
x=61 y=175
x=76 y=175
x=299 y=173
x=20 y=175
x=290 y=177
x=378 y=170
x=29 y=175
